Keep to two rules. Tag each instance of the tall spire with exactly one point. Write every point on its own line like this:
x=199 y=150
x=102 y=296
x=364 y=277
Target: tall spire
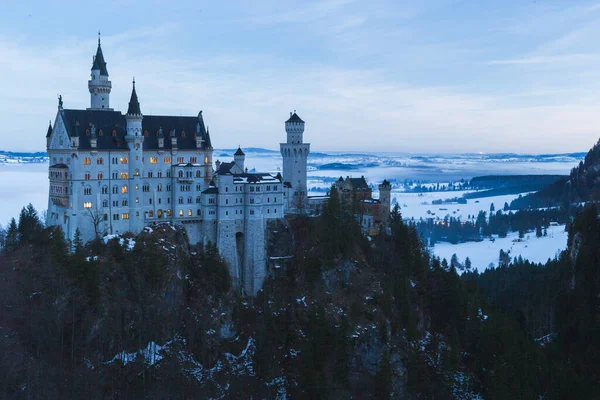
x=134 y=104
x=99 y=62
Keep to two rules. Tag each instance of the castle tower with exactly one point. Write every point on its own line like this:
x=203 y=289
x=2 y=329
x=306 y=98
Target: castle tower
x=99 y=85
x=239 y=157
x=135 y=140
x=295 y=153
x=385 y=194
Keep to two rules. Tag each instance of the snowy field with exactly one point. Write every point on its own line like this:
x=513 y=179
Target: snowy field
x=418 y=205
x=484 y=254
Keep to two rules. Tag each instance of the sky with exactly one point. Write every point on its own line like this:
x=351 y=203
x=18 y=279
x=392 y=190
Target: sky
x=440 y=76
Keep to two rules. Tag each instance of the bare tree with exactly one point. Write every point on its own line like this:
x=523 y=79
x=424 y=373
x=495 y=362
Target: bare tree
x=96 y=216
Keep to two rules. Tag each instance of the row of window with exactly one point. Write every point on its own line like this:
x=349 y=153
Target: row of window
x=125 y=160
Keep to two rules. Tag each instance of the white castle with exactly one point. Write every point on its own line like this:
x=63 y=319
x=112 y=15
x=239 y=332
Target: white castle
x=112 y=173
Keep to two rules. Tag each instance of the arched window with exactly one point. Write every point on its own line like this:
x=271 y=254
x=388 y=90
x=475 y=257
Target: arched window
x=100 y=160
x=198 y=199
x=159 y=213
x=180 y=200
x=189 y=200
x=87 y=176
x=87 y=190
x=181 y=213
x=198 y=174
x=190 y=213
x=99 y=176
x=151 y=213
x=124 y=189
x=104 y=189
x=181 y=174
x=136 y=172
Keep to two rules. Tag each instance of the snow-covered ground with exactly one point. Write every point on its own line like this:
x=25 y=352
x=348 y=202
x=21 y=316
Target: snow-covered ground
x=485 y=253
x=417 y=205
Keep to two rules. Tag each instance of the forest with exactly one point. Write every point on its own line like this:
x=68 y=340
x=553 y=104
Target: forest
x=345 y=316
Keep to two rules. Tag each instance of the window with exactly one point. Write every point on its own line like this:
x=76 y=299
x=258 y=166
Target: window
x=125 y=216
x=124 y=175
x=198 y=200
x=115 y=175
x=115 y=160
x=87 y=161
x=251 y=200
x=149 y=174
x=180 y=174
x=150 y=200
x=181 y=213
x=198 y=212
x=87 y=190
x=151 y=213
x=159 y=173
x=198 y=188
x=115 y=189
x=206 y=160
x=137 y=199
x=168 y=188
x=146 y=188
x=193 y=160
x=159 y=200
x=124 y=160
x=105 y=204
x=124 y=189
x=181 y=200
x=100 y=176
x=226 y=201
x=99 y=161
x=167 y=160
x=180 y=160
x=168 y=174
x=136 y=172
x=124 y=204
x=137 y=186
x=189 y=200
x=268 y=187
x=115 y=217
x=159 y=213
x=190 y=213
x=115 y=203
x=211 y=200
x=87 y=204
x=198 y=174
x=226 y=212
x=87 y=176
x=251 y=212
x=168 y=213
x=274 y=199
x=153 y=160
x=106 y=217
x=159 y=188
x=252 y=188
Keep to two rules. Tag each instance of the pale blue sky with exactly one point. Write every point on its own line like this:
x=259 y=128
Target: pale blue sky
x=414 y=76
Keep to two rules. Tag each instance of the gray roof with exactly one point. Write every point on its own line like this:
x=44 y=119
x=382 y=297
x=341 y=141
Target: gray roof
x=134 y=104
x=99 y=62
x=49 y=132
x=225 y=168
x=239 y=152
x=78 y=122
x=294 y=118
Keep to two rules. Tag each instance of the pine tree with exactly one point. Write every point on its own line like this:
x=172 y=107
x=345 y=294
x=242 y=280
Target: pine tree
x=492 y=208
x=467 y=264
x=506 y=206
x=77 y=242
x=12 y=236
x=29 y=224
x=383 y=378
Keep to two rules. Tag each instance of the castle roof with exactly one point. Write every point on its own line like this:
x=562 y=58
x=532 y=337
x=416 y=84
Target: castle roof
x=239 y=152
x=107 y=122
x=134 y=104
x=294 y=118
x=255 y=177
x=49 y=132
x=358 y=183
x=99 y=62
x=225 y=168
x=385 y=182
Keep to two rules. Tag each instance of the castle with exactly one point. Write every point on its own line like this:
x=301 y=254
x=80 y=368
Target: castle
x=112 y=173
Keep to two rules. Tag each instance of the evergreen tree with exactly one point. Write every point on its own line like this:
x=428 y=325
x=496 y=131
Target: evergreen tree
x=77 y=242
x=383 y=378
x=538 y=231
x=467 y=264
x=492 y=208
x=12 y=236
x=29 y=224
x=506 y=206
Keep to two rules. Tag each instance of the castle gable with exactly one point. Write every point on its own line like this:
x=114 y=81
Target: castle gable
x=59 y=138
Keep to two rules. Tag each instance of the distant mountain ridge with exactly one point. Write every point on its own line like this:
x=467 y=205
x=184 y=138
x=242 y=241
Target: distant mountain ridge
x=581 y=185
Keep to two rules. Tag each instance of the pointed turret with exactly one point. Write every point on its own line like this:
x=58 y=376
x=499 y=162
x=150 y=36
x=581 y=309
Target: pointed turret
x=98 y=61
x=134 y=104
x=49 y=132
x=99 y=85
x=239 y=158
